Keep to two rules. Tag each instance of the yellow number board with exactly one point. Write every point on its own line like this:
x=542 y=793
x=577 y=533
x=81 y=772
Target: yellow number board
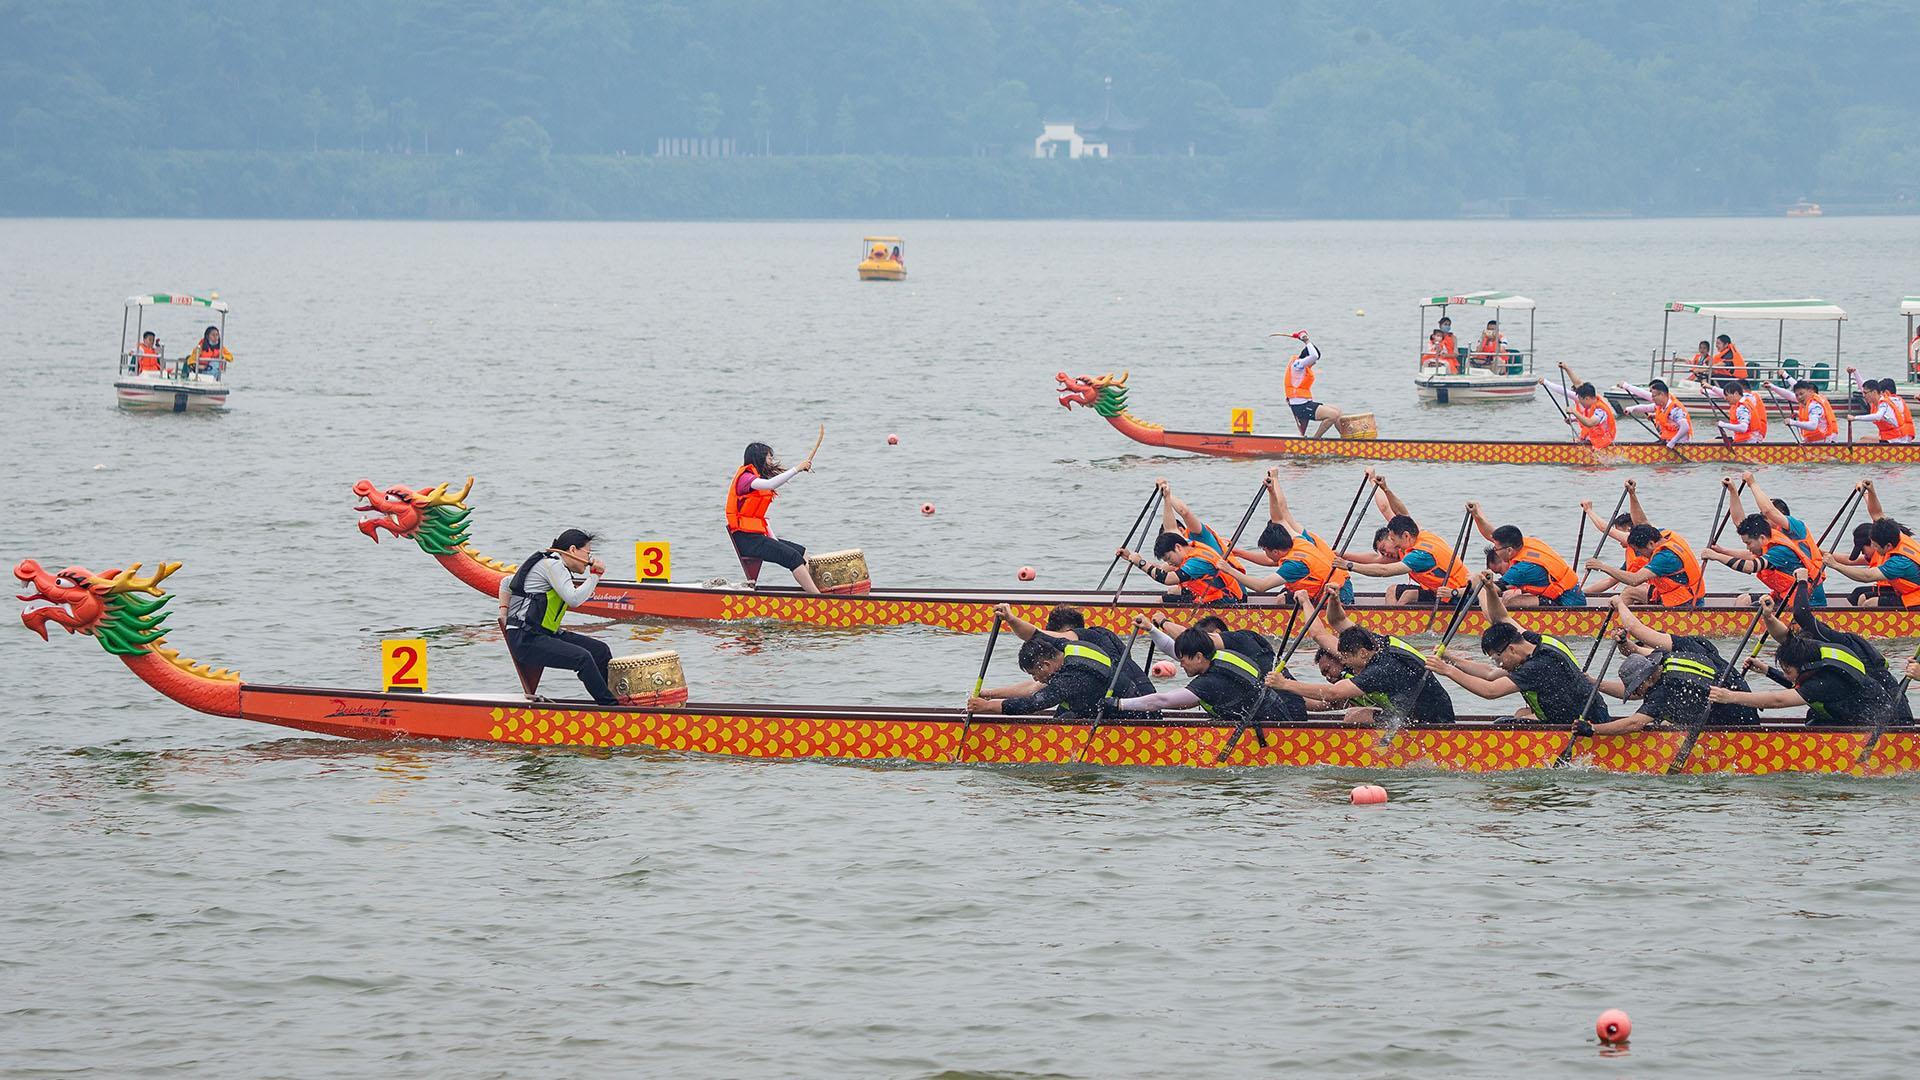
x=653 y=560
x=403 y=665
x=1243 y=421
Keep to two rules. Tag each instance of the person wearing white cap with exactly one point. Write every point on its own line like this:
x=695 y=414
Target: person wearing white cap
x=1299 y=387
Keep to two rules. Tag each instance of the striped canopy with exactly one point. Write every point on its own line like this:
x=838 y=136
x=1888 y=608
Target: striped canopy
x=1910 y=305
x=1492 y=298
x=176 y=300
x=1804 y=310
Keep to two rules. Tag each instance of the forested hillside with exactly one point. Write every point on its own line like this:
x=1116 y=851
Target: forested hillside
x=557 y=107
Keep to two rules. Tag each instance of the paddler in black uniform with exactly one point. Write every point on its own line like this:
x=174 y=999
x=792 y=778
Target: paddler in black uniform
x=1069 y=624
x=1223 y=682
x=1386 y=674
x=1670 y=675
x=538 y=595
x=1540 y=668
x=1073 y=677
x=1255 y=647
x=1841 y=678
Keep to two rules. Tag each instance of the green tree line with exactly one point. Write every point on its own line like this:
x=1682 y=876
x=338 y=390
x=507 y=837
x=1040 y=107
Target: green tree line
x=536 y=107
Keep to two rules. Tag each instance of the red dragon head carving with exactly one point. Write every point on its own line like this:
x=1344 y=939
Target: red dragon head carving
x=1084 y=390
x=401 y=510
x=76 y=598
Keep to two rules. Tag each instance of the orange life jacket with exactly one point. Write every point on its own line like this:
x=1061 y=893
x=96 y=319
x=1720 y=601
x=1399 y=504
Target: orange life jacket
x=211 y=352
x=1299 y=386
x=1756 y=417
x=1321 y=574
x=1438 y=577
x=1602 y=435
x=1663 y=419
x=1907 y=591
x=1902 y=426
x=1490 y=345
x=1450 y=346
x=1728 y=363
x=1211 y=587
x=1634 y=560
x=148 y=358
x=1779 y=582
x=747 y=513
x=1446 y=357
x=1672 y=592
x=1829 y=426
x=1560 y=577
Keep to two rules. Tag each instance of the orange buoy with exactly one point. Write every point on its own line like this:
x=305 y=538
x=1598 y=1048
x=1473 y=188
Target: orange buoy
x=1164 y=669
x=893 y=440
x=1613 y=1026
x=927 y=509
x=1026 y=573
x=1368 y=795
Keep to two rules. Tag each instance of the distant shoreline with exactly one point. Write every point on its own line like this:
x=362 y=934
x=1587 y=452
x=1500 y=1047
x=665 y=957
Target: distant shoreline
x=348 y=185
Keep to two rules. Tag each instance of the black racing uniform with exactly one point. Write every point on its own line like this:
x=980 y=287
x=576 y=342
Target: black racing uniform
x=1133 y=681
x=1680 y=695
x=1390 y=677
x=1809 y=625
x=1259 y=649
x=1229 y=690
x=1075 y=691
x=1838 y=691
x=1554 y=685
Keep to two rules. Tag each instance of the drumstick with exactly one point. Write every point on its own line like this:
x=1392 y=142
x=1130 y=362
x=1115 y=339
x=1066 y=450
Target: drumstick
x=816 y=445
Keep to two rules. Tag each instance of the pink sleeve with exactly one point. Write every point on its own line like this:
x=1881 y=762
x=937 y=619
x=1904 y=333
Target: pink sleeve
x=744 y=484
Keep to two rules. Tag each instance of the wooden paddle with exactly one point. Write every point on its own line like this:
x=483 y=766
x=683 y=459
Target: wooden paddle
x=1246 y=517
x=1145 y=509
x=1145 y=528
x=1849 y=508
x=1459 y=542
x=979 y=684
x=1605 y=532
x=1106 y=699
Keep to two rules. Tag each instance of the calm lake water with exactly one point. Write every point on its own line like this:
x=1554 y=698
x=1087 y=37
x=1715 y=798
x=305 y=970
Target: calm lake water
x=194 y=896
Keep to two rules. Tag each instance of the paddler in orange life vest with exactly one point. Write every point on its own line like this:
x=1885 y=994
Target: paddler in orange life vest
x=1303 y=561
x=1407 y=549
x=211 y=356
x=1814 y=417
x=1532 y=574
x=1890 y=414
x=1746 y=420
x=1192 y=558
x=1669 y=573
x=1589 y=413
x=750 y=493
x=147 y=354
x=1775 y=544
x=1671 y=421
x=1298 y=380
x=1893 y=561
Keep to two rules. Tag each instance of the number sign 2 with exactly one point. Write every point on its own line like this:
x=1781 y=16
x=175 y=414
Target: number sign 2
x=403 y=665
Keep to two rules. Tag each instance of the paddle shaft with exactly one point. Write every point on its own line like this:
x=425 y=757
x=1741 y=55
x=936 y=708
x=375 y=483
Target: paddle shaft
x=1106 y=699
x=979 y=684
x=1849 y=508
x=1128 y=543
x=1279 y=664
x=1573 y=730
x=1459 y=542
x=1246 y=517
x=1453 y=627
x=1146 y=526
x=1886 y=716
x=1606 y=530
x=1725 y=678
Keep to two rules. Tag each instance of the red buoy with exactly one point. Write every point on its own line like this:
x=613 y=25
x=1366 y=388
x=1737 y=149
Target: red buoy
x=1026 y=573
x=927 y=509
x=893 y=440
x=1164 y=669
x=1613 y=1027
x=1368 y=795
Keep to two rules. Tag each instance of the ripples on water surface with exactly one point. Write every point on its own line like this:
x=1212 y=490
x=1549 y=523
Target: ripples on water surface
x=196 y=896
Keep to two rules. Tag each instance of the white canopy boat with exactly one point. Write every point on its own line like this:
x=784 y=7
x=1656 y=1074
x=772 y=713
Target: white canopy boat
x=150 y=380
x=1480 y=364
x=1684 y=375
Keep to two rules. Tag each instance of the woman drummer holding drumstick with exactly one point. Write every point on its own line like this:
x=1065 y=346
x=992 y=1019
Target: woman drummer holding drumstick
x=749 y=495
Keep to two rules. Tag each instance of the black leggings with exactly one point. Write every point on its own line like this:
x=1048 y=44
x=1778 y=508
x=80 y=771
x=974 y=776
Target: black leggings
x=578 y=653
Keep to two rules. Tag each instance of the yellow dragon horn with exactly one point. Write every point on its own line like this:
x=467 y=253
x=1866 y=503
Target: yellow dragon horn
x=130 y=581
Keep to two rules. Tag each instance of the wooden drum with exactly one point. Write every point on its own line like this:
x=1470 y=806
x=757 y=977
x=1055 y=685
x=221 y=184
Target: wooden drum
x=653 y=678
x=840 y=571
x=1357 y=426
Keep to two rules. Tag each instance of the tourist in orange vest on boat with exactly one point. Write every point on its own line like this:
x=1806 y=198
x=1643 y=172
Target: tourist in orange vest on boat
x=147 y=354
x=1532 y=574
x=1669 y=573
x=1448 y=343
x=1304 y=562
x=1491 y=352
x=1589 y=413
x=1746 y=420
x=1775 y=545
x=1671 y=421
x=1814 y=417
x=1889 y=412
x=1192 y=557
x=210 y=355
x=1438 y=355
x=1727 y=361
x=1893 y=559
x=755 y=484
x=1701 y=366
x=1409 y=550
x=1299 y=387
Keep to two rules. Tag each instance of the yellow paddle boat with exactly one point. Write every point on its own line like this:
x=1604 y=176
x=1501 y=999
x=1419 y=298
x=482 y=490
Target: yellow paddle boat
x=883 y=259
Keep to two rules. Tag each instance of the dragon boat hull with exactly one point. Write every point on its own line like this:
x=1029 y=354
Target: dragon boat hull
x=1107 y=397
x=940 y=736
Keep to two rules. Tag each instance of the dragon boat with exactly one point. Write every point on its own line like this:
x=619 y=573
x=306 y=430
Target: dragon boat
x=436 y=519
x=125 y=612
x=1106 y=395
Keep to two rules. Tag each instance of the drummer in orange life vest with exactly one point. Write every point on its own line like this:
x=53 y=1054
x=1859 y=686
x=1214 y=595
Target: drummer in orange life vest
x=1532 y=574
x=1814 y=417
x=1299 y=387
x=1670 y=418
x=1891 y=416
x=1407 y=550
x=1590 y=415
x=1304 y=562
x=1746 y=420
x=753 y=488
x=147 y=354
x=1192 y=558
